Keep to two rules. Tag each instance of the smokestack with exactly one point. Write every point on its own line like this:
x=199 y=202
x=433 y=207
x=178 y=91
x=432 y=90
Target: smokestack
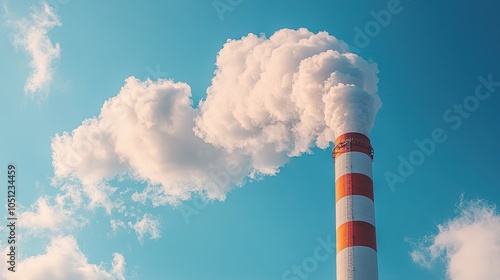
x=355 y=215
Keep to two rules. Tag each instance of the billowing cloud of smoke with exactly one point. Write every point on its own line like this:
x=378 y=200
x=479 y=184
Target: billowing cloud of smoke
x=32 y=36
x=270 y=99
x=146 y=133
x=469 y=244
x=285 y=94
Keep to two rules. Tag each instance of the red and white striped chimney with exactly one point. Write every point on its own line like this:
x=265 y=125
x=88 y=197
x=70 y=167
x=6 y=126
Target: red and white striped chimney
x=355 y=215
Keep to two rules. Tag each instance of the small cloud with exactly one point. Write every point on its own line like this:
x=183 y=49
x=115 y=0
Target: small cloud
x=63 y=259
x=116 y=225
x=71 y=196
x=118 y=266
x=46 y=216
x=54 y=215
x=469 y=244
x=147 y=225
x=32 y=37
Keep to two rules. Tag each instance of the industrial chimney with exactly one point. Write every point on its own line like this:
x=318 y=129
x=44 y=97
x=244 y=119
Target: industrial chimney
x=355 y=215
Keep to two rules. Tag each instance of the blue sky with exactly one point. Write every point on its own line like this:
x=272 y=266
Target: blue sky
x=431 y=58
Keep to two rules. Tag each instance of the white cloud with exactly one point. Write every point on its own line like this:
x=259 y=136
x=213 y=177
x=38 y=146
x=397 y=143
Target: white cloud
x=71 y=196
x=147 y=225
x=118 y=266
x=270 y=99
x=116 y=225
x=44 y=216
x=32 y=36
x=64 y=260
x=54 y=217
x=469 y=244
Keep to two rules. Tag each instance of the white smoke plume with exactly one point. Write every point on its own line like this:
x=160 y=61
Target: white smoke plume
x=283 y=95
x=270 y=99
x=145 y=132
